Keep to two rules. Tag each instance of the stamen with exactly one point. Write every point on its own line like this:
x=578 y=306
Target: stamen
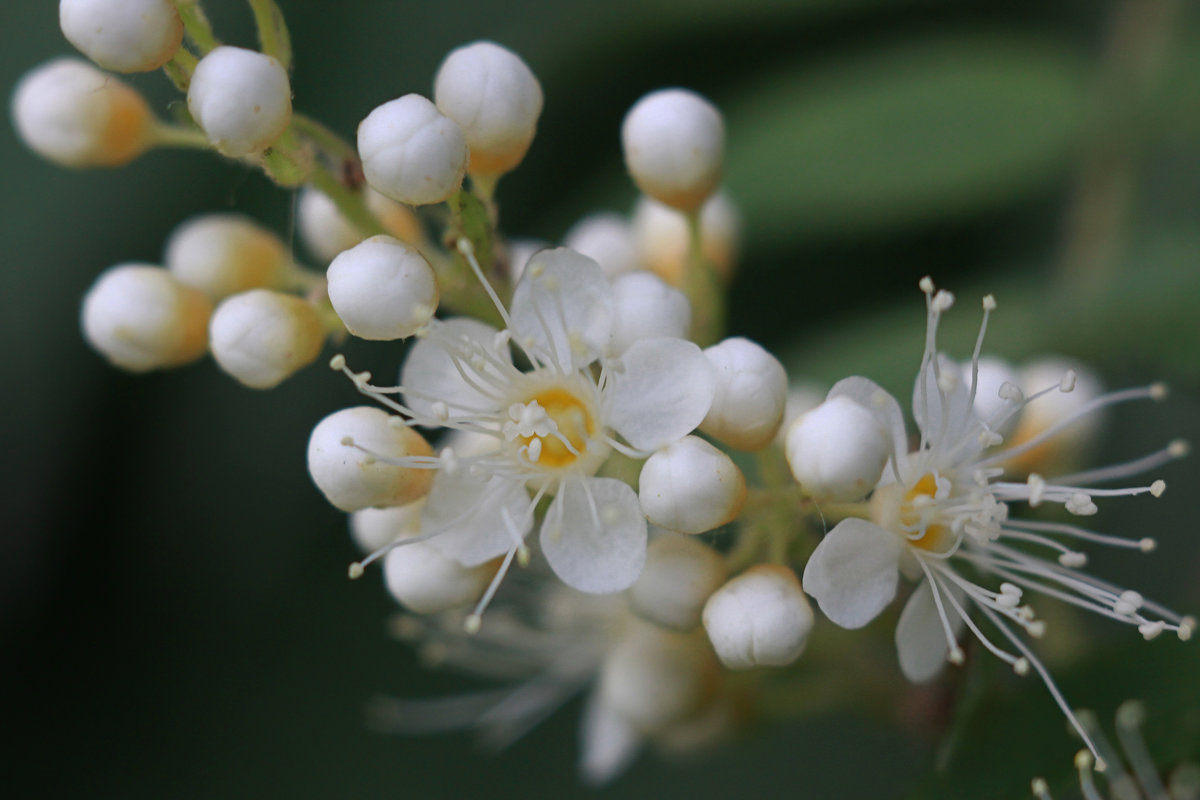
x=1175 y=450
x=475 y=619
x=467 y=249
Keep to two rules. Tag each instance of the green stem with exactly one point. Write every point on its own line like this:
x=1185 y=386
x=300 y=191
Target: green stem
x=348 y=201
x=323 y=137
x=164 y=134
x=703 y=289
x=273 y=34
x=196 y=25
x=180 y=68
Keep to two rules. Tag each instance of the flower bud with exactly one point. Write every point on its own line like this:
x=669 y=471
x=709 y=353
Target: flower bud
x=373 y=528
x=751 y=396
x=140 y=318
x=661 y=235
x=653 y=677
x=382 y=289
x=345 y=455
x=241 y=98
x=412 y=153
x=838 y=450
x=490 y=92
x=326 y=232
x=261 y=337
x=691 y=487
x=1067 y=449
x=990 y=406
x=760 y=618
x=645 y=308
x=519 y=253
x=223 y=254
x=71 y=113
x=123 y=35
x=679 y=575
x=674 y=143
x=607 y=239
x=426 y=582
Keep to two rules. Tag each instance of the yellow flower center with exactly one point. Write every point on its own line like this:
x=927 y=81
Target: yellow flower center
x=918 y=515
x=575 y=424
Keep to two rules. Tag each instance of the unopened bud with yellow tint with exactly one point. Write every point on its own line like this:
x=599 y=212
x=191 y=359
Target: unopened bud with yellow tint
x=223 y=254
x=262 y=337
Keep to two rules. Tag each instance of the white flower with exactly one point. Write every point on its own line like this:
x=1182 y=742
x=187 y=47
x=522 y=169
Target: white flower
x=551 y=426
x=941 y=515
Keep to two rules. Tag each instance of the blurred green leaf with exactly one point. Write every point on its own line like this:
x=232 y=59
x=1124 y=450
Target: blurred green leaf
x=943 y=125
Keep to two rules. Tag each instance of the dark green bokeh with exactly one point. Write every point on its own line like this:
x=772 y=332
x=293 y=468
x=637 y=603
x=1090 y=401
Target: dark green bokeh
x=175 y=614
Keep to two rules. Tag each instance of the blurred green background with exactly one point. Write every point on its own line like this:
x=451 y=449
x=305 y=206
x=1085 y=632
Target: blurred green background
x=175 y=615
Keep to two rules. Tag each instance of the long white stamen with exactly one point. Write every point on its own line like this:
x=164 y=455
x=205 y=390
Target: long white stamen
x=1175 y=450
x=954 y=653
x=475 y=619
x=467 y=249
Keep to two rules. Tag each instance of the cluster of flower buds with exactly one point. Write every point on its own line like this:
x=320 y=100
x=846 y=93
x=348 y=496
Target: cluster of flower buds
x=587 y=391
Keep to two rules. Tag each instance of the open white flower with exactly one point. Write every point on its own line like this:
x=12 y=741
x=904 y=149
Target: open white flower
x=941 y=515
x=551 y=426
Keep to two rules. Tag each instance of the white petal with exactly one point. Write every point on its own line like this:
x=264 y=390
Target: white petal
x=853 y=572
x=473 y=513
x=608 y=743
x=920 y=636
x=594 y=535
x=944 y=413
x=563 y=306
x=660 y=390
x=879 y=402
x=430 y=372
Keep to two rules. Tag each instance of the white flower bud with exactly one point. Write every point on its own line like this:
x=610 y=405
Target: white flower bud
x=680 y=574
x=691 y=487
x=760 y=618
x=373 y=528
x=674 y=143
x=412 y=153
x=801 y=399
x=838 y=450
x=644 y=307
x=382 y=289
x=351 y=478
x=326 y=232
x=1066 y=450
x=608 y=240
x=241 y=98
x=661 y=235
x=519 y=253
x=653 y=677
x=71 y=113
x=427 y=582
x=223 y=254
x=140 y=318
x=491 y=93
x=262 y=337
x=751 y=396
x=123 y=35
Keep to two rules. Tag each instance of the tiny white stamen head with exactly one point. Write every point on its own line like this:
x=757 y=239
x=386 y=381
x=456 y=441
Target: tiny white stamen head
x=523 y=556
x=1084 y=760
x=337 y=363
x=1037 y=489
x=1011 y=392
x=1148 y=545
x=926 y=285
x=943 y=301
x=989 y=302
x=1036 y=629
x=1021 y=666
x=1072 y=560
x=356 y=571
x=1151 y=630
x=956 y=656
x=472 y=624
x=1187 y=627
x=1179 y=448
x=1159 y=391
x=1128 y=603
x=1158 y=487
x=1040 y=788
x=1081 y=505
x=440 y=410
x=1067 y=384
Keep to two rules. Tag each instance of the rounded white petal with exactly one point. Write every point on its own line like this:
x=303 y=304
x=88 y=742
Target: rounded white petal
x=660 y=390
x=410 y=152
x=223 y=254
x=646 y=308
x=427 y=582
x=854 y=572
x=262 y=337
x=750 y=397
x=140 y=318
x=680 y=574
x=71 y=113
x=490 y=92
x=760 y=618
x=479 y=518
x=594 y=535
x=373 y=528
x=562 y=308
x=123 y=35
x=838 y=450
x=674 y=144
x=691 y=487
x=241 y=98
x=948 y=413
x=880 y=403
x=351 y=479
x=382 y=289
x=921 y=637
x=431 y=374
x=608 y=240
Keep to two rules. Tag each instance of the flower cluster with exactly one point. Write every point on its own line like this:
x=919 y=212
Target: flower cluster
x=587 y=391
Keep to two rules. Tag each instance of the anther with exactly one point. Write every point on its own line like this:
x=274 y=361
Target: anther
x=1151 y=630
x=1037 y=488
x=347 y=441
x=337 y=363
x=989 y=302
x=1011 y=392
x=472 y=624
x=440 y=410
x=1148 y=545
x=1081 y=505
x=1158 y=391
x=1128 y=603
x=1084 y=760
x=1036 y=629
x=1040 y=788
x=1072 y=560
x=1187 y=627
x=1158 y=487
x=956 y=657
x=1179 y=448
x=356 y=571
x=926 y=284
x=523 y=556
x=943 y=300
x=1067 y=384
x=1021 y=666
